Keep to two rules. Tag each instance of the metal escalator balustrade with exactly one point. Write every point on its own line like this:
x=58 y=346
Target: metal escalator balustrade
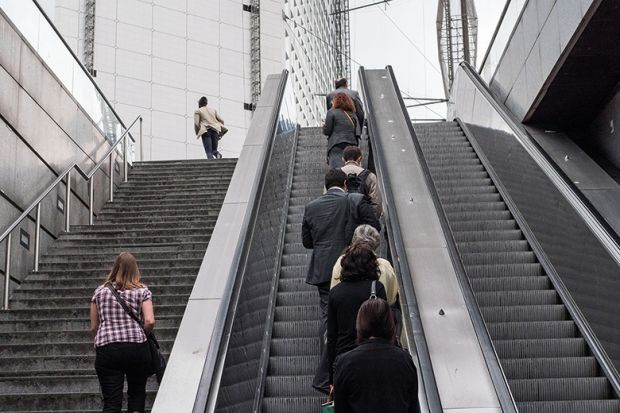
x=548 y=364
x=294 y=347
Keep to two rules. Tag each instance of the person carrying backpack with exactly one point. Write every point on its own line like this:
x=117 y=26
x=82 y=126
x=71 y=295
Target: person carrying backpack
x=361 y=180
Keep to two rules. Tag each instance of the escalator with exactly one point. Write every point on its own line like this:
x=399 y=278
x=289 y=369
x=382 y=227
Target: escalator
x=547 y=363
x=294 y=347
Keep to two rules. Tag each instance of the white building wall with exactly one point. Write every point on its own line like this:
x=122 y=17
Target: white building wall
x=157 y=58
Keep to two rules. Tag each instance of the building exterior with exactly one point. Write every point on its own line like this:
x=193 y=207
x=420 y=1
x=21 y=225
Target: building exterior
x=157 y=58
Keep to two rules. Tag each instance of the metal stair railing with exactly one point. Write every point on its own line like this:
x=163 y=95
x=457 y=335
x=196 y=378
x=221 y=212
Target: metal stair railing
x=66 y=175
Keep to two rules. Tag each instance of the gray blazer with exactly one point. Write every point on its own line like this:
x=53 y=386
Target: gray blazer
x=327 y=228
x=359 y=107
x=340 y=127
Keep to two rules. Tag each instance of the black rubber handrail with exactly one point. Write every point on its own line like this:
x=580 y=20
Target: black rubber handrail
x=401 y=266
x=548 y=168
x=208 y=389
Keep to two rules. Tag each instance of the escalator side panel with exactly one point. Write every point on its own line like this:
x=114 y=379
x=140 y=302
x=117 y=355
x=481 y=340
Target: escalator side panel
x=572 y=237
x=241 y=373
x=458 y=366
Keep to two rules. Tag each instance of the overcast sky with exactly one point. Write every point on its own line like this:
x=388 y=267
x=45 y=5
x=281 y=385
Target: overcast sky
x=403 y=34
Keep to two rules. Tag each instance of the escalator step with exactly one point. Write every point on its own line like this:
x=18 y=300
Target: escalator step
x=295 y=284
x=293 y=404
x=548 y=347
x=481 y=226
x=295 y=298
x=290 y=313
x=293 y=271
x=288 y=366
x=575 y=406
x=475 y=206
x=478 y=215
x=289 y=386
x=305 y=328
x=504 y=283
x=532 y=330
x=561 y=389
x=542 y=368
x=477 y=236
x=494 y=246
x=469 y=198
x=467 y=188
x=484 y=258
x=508 y=270
x=501 y=298
x=524 y=313
x=297 y=260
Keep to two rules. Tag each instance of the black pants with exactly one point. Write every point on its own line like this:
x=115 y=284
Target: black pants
x=209 y=141
x=321 y=376
x=115 y=361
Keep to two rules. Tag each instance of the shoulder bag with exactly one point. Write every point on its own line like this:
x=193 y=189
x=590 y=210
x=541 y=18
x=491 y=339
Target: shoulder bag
x=354 y=124
x=158 y=362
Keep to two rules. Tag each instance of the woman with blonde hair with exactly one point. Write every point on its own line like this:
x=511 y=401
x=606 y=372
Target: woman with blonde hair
x=341 y=127
x=120 y=341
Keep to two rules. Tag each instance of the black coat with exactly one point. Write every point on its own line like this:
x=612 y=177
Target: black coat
x=345 y=300
x=376 y=377
x=327 y=229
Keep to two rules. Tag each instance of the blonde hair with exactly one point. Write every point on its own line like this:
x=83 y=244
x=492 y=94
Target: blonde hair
x=125 y=273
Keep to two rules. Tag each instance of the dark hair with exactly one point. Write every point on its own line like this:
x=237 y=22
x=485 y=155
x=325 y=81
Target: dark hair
x=359 y=263
x=344 y=102
x=335 y=177
x=374 y=319
x=342 y=82
x=351 y=153
x=202 y=101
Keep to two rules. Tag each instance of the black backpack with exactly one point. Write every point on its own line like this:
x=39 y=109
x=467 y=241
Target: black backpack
x=356 y=183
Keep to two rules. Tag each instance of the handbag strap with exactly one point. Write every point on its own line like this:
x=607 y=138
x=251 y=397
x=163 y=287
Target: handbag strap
x=128 y=310
x=373 y=290
x=349 y=117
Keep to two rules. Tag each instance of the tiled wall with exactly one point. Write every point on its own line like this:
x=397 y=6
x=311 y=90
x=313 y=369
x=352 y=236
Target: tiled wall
x=539 y=39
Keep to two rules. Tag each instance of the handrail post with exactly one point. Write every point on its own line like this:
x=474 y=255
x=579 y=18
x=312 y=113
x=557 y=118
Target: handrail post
x=125 y=159
x=141 y=153
x=7 y=273
x=91 y=199
x=68 y=203
x=37 y=238
x=112 y=177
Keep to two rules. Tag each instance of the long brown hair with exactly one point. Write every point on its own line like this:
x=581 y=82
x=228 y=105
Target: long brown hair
x=125 y=273
x=375 y=319
x=344 y=102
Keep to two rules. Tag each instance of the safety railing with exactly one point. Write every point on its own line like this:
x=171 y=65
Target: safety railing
x=66 y=176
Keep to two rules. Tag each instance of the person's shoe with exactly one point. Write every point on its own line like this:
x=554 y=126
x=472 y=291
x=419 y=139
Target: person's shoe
x=218 y=155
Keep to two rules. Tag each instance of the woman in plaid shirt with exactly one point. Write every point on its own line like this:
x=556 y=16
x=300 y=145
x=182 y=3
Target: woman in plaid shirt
x=120 y=342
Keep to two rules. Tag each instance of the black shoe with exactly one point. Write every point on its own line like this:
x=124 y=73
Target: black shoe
x=218 y=155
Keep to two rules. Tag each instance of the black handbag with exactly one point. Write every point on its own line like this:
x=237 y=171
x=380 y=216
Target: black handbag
x=158 y=362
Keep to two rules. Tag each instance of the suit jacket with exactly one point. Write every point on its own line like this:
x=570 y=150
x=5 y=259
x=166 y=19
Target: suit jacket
x=327 y=229
x=359 y=107
x=374 y=377
x=340 y=127
x=206 y=117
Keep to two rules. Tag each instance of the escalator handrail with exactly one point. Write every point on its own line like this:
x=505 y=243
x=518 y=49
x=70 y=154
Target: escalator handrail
x=504 y=395
x=548 y=168
x=206 y=397
x=401 y=265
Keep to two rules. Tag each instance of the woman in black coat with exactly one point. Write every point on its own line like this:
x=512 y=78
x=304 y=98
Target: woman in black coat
x=376 y=376
x=359 y=272
x=341 y=127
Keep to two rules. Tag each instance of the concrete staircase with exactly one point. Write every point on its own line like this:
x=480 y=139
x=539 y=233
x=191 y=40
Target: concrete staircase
x=164 y=215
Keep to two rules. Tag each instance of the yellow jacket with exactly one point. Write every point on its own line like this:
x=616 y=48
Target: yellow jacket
x=206 y=117
x=387 y=276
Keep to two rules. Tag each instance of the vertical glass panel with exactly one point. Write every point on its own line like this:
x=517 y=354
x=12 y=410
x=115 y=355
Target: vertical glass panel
x=45 y=40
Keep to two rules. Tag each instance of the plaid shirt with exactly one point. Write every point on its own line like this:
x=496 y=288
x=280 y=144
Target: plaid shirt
x=115 y=325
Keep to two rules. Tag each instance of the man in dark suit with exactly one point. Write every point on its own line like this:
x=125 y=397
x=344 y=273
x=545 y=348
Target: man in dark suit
x=327 y=229
x=342 y=86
